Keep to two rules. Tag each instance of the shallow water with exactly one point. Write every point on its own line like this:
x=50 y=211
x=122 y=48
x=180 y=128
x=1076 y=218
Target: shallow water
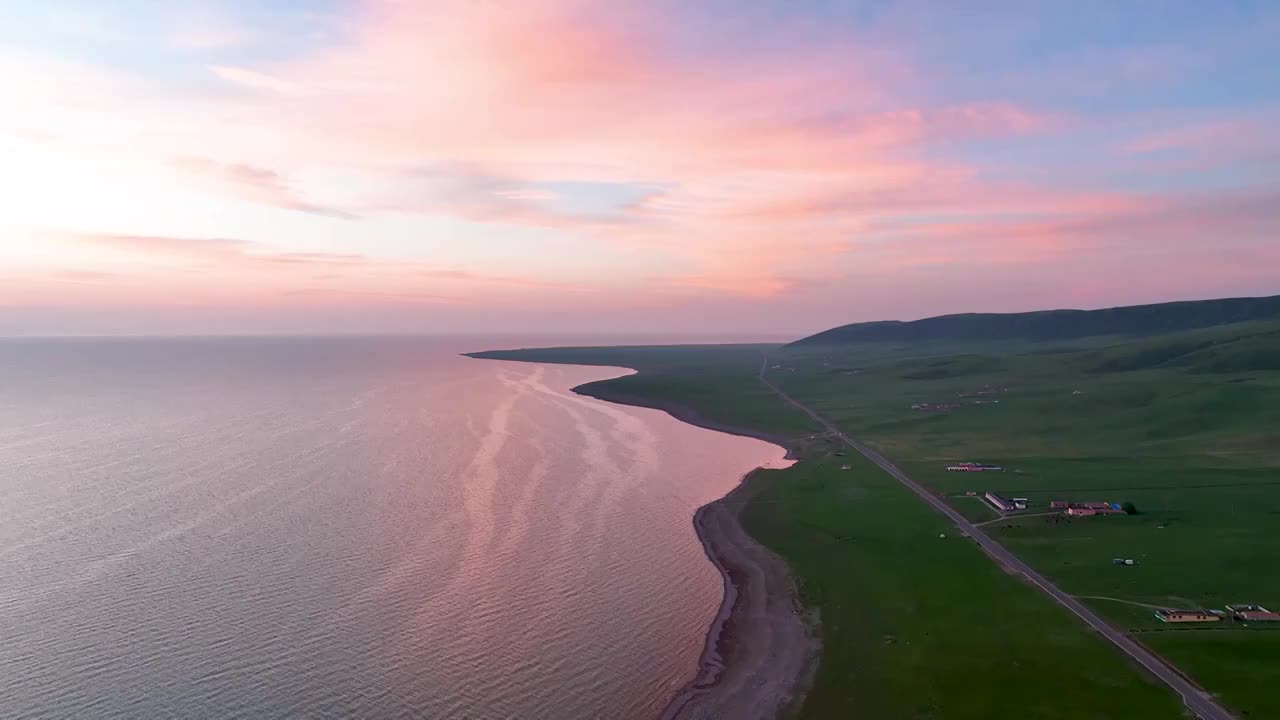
x=343 y=528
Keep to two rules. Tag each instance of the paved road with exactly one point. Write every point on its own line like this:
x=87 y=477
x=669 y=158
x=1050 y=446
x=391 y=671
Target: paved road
x=1200 y=703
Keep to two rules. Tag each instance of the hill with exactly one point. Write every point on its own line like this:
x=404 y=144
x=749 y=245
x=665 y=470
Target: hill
x=1057 y=324
x=1235 y=348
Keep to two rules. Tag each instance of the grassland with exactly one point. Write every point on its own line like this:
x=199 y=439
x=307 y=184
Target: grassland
x=917 y=625
x=1186 y=426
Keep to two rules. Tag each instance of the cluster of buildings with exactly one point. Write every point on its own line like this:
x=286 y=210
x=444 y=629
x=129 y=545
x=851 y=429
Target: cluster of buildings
x=976 y=397
x=973 y=467
x=1086 y=509
x=950 y=405
x=935 y=406
x=1240 y=613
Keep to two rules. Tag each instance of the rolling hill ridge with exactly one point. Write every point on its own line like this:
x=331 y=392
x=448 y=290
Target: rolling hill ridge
x=1057 y=324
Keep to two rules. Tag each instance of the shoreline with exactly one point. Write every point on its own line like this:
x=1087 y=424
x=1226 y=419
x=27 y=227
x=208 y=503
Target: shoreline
x=683 y=413
x=762 y=648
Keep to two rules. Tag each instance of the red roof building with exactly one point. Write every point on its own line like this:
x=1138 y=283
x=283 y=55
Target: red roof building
x=1085 y=509
x=1188 y=616
x=1078 y=511
x=1258 y=616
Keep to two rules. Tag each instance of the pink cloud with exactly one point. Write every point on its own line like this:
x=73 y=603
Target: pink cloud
x=168 y=270
x=196 y=250
x=474 y=195
x=527 y=194
x=254 y=184
x=766 y=147
x=1235 y=225
x=566 y=90
x=1216 y=136
x=555 y=90
x=778 y=169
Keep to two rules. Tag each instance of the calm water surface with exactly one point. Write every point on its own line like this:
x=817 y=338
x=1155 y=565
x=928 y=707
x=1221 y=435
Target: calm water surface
x=343 y=528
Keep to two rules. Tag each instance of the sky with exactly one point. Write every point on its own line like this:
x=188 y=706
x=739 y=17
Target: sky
x=712 y=167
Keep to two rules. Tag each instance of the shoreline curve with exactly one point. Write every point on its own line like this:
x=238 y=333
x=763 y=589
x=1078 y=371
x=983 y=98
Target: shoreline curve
x=762 y=649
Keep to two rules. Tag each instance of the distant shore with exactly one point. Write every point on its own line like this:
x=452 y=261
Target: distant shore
x=761 y=650
x=681 y=412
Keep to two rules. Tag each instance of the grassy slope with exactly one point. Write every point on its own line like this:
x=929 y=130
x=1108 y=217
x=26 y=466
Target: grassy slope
x=1061 y=324
x=915 y=626
x=1187 y=427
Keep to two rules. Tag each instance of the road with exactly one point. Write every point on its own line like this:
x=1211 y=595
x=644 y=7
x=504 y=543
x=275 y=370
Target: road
x=1196 y=700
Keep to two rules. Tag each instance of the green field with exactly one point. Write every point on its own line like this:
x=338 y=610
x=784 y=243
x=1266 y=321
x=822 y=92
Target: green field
x=1186 y=426
x=916 y=625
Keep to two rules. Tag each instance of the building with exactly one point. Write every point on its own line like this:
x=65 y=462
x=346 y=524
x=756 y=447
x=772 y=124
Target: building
x=1077 y=511
x=1257 y=616
x=935 y=406
x=999 y=503
x=973 y=467
x=1253 y=613
x=1188 y=616
x=1086 y=509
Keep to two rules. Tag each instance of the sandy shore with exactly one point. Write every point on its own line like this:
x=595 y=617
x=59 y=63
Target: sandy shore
x=761 y=650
